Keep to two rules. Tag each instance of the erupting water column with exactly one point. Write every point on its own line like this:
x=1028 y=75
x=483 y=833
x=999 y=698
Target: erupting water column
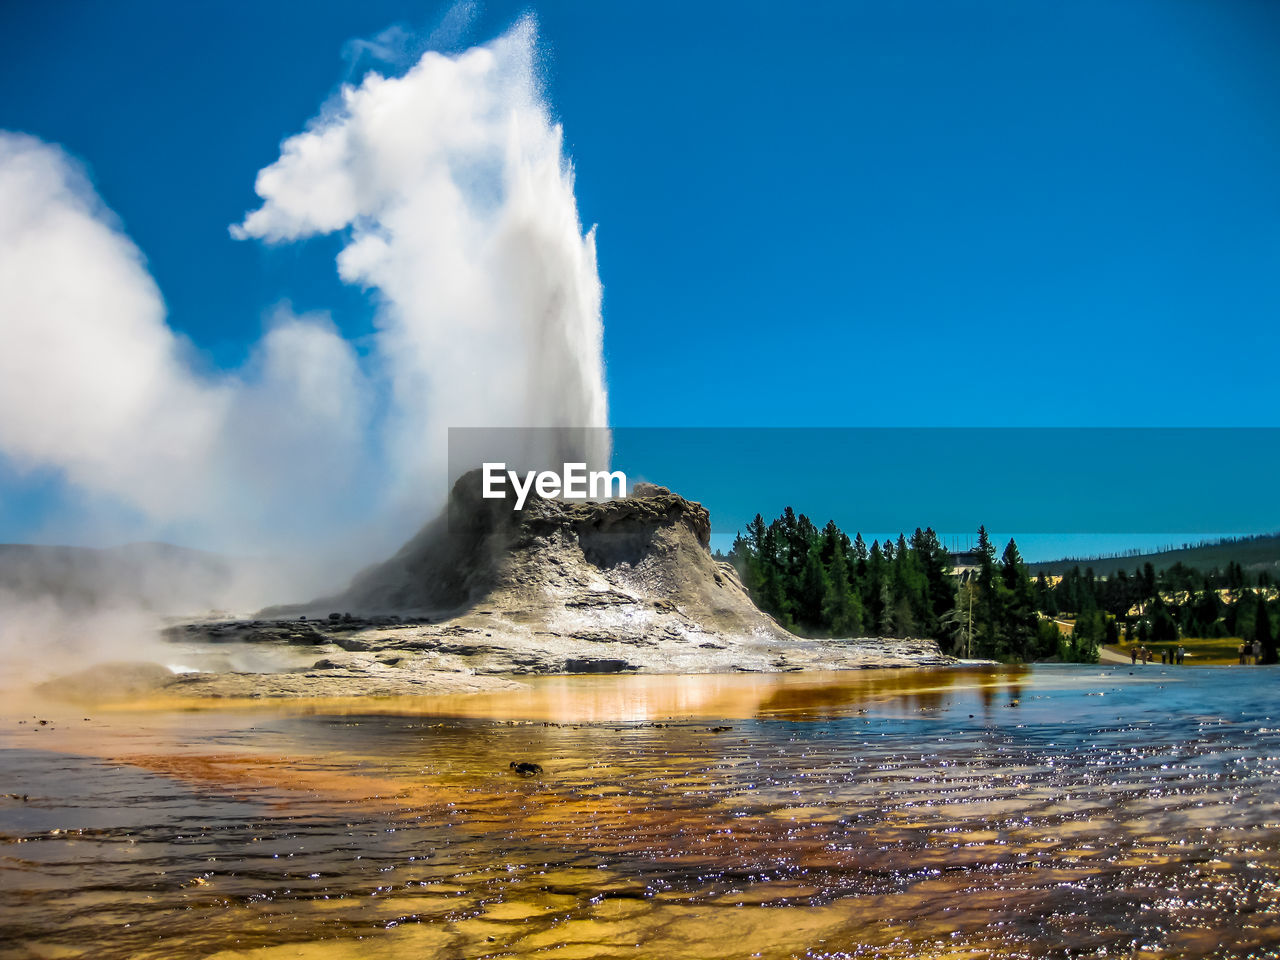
x=458 y=204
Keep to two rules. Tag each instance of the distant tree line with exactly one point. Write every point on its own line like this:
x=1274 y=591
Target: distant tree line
x=818 y=582
x=1171 y=547
x=1170 y=604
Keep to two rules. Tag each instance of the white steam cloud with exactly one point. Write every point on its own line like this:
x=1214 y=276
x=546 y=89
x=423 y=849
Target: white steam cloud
x=459 y=204
x=455 y=200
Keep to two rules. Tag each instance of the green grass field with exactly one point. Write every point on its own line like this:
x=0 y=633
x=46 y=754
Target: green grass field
x=1201 y=651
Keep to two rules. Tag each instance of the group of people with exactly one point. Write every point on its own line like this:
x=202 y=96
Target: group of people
x=1167 y=654
x=1250 y=653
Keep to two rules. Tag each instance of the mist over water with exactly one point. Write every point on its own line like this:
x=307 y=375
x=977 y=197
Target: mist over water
x=451 y=190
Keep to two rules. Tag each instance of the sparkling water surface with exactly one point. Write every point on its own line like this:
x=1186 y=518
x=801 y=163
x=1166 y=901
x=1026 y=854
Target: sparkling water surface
x=1050 y=811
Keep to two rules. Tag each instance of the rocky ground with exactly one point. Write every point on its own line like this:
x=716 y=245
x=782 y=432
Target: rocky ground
x=485 y=594
x=473 y=651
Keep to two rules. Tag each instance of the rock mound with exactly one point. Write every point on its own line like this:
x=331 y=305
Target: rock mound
x=635 y=569
x=556 y=587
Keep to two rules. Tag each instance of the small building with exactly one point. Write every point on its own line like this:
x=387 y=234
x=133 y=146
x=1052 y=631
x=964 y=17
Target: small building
x=965 y=564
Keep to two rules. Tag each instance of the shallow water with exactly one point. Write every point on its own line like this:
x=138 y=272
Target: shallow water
x=1055 y=811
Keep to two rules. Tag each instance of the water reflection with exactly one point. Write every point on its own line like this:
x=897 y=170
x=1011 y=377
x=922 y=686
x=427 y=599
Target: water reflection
x=905 y=813
x=649 y=698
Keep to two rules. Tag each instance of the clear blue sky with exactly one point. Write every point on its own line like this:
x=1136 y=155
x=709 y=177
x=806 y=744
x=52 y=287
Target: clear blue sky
x=980 y=212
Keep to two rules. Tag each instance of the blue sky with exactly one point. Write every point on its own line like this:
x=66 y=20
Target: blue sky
x=856 y=214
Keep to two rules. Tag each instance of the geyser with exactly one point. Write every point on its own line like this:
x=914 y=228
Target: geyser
x=454 y=199
x=458 y=204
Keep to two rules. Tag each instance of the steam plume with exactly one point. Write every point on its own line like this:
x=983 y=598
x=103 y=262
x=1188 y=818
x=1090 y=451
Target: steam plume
x=455 y=201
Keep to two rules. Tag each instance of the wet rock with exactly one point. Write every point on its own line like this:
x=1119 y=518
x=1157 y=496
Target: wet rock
x=335 y=683
x=595 y=665
x=600 y=598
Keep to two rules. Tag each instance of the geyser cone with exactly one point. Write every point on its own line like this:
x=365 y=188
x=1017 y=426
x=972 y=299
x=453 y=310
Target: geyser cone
x=556 y=587
x=624 y=569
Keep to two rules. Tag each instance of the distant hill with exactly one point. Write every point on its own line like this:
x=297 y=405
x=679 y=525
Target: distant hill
x=155 y=576
x=1255 y=554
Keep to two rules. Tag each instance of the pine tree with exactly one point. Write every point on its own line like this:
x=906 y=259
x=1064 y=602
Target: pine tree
x=1163 y=627
x=908 y=589
x=814 y=587
x=841 y=609
x=1044 y=596
x=885 y=605
x=1048 y=640
x=1112 y=632
x=958 y=621
x=859 y=557
x=1088 y=631
x=986 y=547
x=775 y=589
x=934 y=563
x=986 y=618
x=874 y=588
x=1263 y=635
x=747 y=555
x=1018 y=617
x=829 y=542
